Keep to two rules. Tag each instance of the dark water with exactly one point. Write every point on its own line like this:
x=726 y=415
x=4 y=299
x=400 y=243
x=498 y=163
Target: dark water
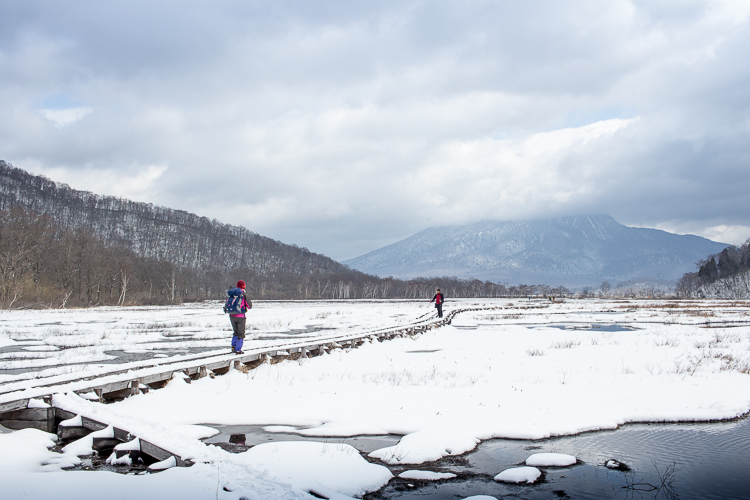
x=578 y=327
x=240 y=437
x=697 y=461
x=591 y=327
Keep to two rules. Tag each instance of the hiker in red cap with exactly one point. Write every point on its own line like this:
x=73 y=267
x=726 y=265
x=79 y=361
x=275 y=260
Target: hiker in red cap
x=439 y=298
x=237 y=305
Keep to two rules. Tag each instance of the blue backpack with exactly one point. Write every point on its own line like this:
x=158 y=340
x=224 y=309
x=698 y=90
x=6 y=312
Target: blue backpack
x=233 y=304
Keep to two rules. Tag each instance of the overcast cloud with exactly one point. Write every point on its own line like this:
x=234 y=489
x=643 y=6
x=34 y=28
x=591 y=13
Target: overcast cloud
x=345 y=126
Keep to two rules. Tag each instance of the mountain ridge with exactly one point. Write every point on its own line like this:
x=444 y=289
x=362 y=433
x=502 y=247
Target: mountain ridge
x=573 y=251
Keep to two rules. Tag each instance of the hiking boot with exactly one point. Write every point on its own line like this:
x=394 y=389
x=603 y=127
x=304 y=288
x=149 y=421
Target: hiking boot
x=239 y=352
x=233 y=349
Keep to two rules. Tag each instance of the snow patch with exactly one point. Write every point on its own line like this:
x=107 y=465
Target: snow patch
x=426 y=475
x=319 y=467
x=519 y=475
x=427 y=446
x=550 y=460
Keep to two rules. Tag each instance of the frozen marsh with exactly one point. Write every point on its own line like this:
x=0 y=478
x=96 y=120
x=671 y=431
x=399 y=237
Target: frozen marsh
x=521 y=369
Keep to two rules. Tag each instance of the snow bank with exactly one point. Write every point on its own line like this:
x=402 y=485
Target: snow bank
x=25 y=450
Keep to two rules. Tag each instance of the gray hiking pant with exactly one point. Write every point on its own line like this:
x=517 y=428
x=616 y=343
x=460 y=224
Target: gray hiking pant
x=238 y=326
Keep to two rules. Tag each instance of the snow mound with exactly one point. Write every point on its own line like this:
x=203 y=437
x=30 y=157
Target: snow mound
x=426 y=446
x=550 y=460
x=36 y=403
x=480 y=497
x=519 y=475
x=319 y=467
x=123 y=460
x=426 y=475
x=164 y=464
x=24 y=450
x=76 y=421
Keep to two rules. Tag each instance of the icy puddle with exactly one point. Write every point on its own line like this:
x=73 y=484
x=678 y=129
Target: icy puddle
x=238 y=438
x=697 y=461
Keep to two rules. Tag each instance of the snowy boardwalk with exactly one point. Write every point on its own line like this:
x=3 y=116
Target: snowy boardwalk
x=123 y=380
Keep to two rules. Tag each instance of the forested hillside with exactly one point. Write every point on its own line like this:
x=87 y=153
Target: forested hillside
x=180 y=256
x=179 y=237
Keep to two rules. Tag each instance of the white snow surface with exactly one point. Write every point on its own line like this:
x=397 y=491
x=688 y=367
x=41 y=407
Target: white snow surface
x=321 y=467
x=519 y=475
x=426 y=475
x=512 y=372
x=550 y=460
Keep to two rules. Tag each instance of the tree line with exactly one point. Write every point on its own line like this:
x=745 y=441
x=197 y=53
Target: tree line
x=43 y=264
x=730 y=262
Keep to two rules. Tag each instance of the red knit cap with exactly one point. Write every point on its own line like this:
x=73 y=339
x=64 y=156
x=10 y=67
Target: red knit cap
x=241 y=284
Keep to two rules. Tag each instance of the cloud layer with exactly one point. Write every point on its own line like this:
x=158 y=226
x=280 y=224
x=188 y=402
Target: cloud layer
x=346 y=126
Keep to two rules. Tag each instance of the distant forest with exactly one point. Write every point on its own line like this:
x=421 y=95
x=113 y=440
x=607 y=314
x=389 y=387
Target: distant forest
x=62 y=247
x=726 y=274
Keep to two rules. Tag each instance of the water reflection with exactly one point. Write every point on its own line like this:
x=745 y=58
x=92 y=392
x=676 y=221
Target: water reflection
x=706 y=461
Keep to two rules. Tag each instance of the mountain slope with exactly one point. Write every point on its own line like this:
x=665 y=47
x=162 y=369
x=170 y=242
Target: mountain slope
x=160 y=233
x=571 y=251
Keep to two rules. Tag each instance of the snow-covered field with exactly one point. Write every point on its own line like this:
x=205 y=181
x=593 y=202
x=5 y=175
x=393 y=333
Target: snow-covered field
x=53 y=342
x=527 y=369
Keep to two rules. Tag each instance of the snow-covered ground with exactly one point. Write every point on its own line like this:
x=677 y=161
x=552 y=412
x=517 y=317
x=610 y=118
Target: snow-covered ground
x=528 y=369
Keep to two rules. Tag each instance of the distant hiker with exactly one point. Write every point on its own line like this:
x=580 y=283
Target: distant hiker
x=438 y=299
x=237 y=305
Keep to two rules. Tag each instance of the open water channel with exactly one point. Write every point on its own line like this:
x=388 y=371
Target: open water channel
x=692 y=461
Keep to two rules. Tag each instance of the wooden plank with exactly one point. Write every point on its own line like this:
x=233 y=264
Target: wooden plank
x=92 y=424
x=51 y=422
x=156 y=377
x=14 y=405
x=104 y=444
x=115 y=386
x=224 y=364
x=157 y=452
x=26 y=414
x=123 y=435
x=247 y=358
x=66 y=433
x=25 y=424
x=61 y=414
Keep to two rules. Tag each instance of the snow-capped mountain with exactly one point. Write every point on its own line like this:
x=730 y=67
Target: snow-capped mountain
x=570 y=251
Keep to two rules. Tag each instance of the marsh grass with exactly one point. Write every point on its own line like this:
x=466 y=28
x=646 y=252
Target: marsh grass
x=566 y=344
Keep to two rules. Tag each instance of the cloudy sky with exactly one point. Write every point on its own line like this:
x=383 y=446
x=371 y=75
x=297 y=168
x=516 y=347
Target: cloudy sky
x=345 y=126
